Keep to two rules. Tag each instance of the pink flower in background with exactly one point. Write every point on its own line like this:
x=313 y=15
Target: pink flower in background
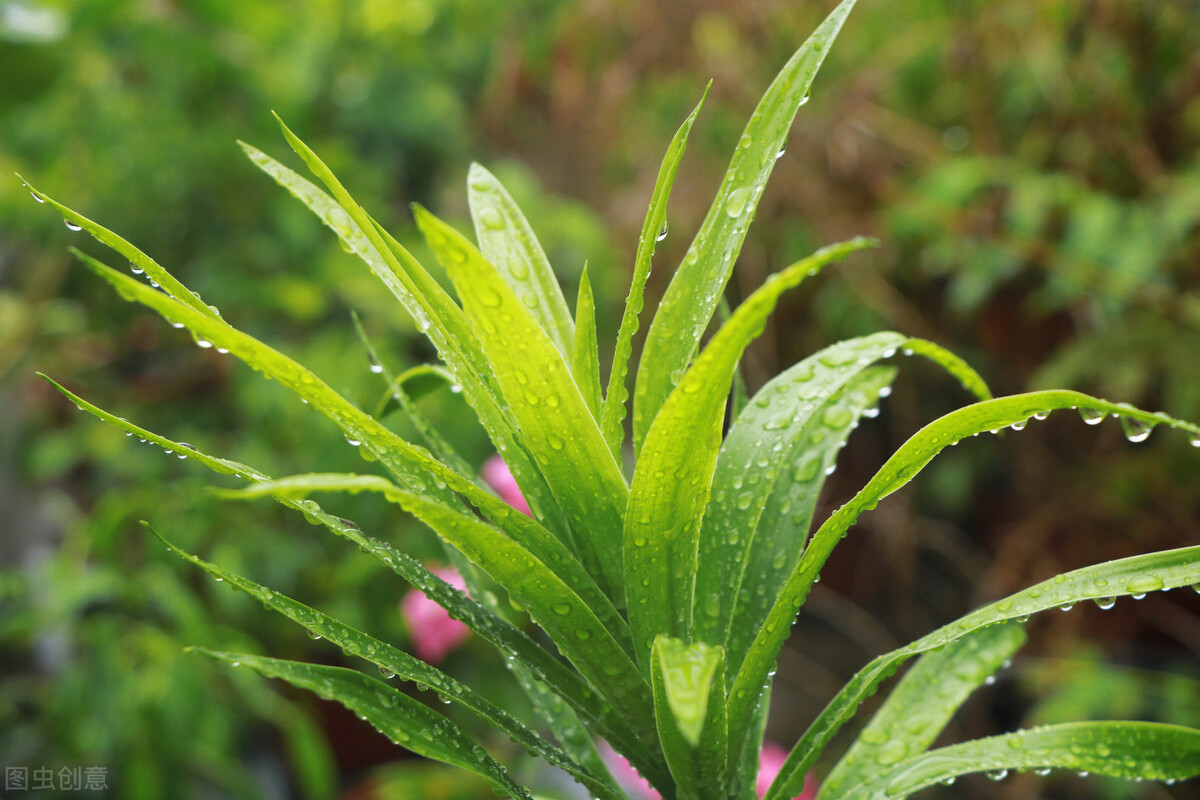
x=770 y=761
x=627 y=777
x=434 y=634
x=495 y=472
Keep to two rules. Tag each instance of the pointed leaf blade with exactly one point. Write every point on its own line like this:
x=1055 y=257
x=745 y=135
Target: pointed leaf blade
x=922 y=703
x=653 y=229
x=585 y=359
x=508 y=242
x=692 y=295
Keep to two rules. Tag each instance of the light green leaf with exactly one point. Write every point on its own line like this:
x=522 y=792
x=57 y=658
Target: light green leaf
x=407 y=722
x=508 y=640
x=919 y=707
x=585 y=359
x=768 y=476
x=674 y=472
x=905 y=463
x=1131 y=750
x=139 y=262
x=397 y=663
x=689 y=705
x=1169 y=569
x=433 y=311
x=508 y=242
x=578 y=625
x=544 y=400
x=654 y=228
x=692 y=295
x=412 y=465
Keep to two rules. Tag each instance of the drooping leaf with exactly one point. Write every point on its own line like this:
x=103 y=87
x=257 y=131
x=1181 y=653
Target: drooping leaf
x=586 y=629
x=585 y=358
x=664 y=515
x=545 y=401
x=692 y=295
x=1131 y=750
x=689 y=706
x=411 y=465
x=397 y=663
x=407 y=722
x=919 y=707
x=1134 y=576
x=510 y=641
x=654 y=228
x=904 y=464
x=508 y=242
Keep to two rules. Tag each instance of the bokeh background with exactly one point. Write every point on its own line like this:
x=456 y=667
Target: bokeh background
x=1032 y=168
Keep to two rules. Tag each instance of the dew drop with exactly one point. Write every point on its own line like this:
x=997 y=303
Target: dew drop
x=948 y=781
x=353 y=442
x=71 y=226
x=1041 y=415
x=492 y=218
x=1091 y=416
x=1083 y=774
x=1135 y=429
x=35 y=197
x=1195 y=440
x=1042 y=771
x=831 y=469
x=386 y=673
x=314 y=635
x=1105 y=603
x=135 y=269
x=990 y=680
x=735 y=204
x=176 y=325
x=662 y=233
x=203 y=343
x=997 y=774
x=1066 y=606
x=884 y=391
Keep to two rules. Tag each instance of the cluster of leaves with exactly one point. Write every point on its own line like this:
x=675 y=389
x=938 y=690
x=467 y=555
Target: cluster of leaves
x=667 y=587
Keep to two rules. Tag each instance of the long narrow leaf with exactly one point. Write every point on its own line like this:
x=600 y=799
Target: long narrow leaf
x=654 y=228
x=139 y=262
x=508 y=242
x=399 y=664
x=585 y=356
x=921 y=705
x=407 y=722
x=905 y=463
x=412 y=465
x=510 y=641
x=601 y=655
x=692 y=295
x=1169 y=569
x=1131 y=750
x=663 y=519
x=545 y=402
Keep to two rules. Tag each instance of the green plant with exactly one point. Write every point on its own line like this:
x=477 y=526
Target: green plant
x=669 y=587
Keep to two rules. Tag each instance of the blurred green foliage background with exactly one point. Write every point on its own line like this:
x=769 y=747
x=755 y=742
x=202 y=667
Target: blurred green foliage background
x=1032 y=167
